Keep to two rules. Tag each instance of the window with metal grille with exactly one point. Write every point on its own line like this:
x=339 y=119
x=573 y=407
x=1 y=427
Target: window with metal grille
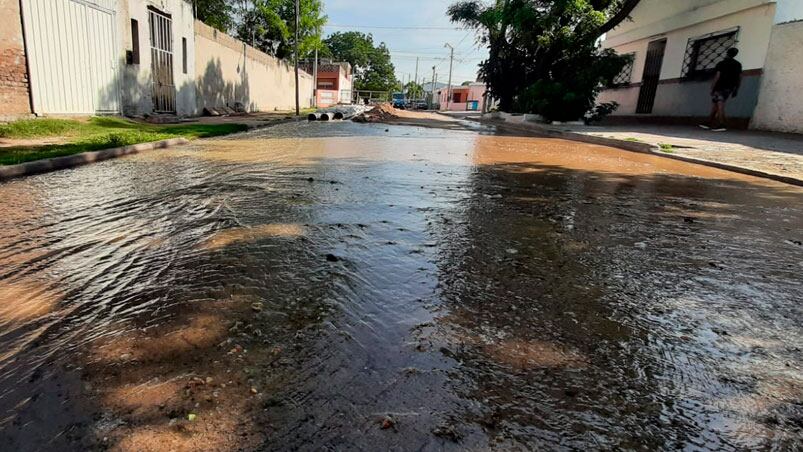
x=626 y=74
x=703 y=54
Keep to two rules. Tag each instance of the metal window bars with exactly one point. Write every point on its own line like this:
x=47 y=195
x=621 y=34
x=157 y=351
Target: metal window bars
x=704 y=53
x=625 y=76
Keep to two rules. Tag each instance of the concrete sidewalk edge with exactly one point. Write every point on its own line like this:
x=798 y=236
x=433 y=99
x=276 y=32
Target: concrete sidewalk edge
x=84 y=158
x=635 y=146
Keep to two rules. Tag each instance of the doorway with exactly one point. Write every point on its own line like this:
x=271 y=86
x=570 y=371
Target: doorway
x=651 y=77
x=164 y=89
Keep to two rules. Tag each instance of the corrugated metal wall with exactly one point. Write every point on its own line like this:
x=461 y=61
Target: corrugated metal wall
x=72 y=54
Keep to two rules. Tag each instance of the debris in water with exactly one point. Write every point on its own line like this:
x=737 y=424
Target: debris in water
x=447 y=431
x=332 y=258
x=388 y=422
x=641 y=245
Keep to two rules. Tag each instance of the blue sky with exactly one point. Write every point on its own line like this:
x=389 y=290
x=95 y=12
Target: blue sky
x=407 y=44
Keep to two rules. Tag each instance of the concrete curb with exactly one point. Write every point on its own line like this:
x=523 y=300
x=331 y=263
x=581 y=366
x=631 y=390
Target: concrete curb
x=635 y=146
x=72 y=161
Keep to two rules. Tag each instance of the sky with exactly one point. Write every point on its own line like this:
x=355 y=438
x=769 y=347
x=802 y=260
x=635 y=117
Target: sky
x=386 y=21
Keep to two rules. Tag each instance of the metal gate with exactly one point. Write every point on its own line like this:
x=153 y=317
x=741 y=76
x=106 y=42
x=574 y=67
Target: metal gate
x=651 y=77
x=164 y=89
x=71 y=47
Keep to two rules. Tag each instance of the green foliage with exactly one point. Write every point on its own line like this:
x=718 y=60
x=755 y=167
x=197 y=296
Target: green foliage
x=269 y=25
x=601 y=111
x=544 y=56
x=215 y=13
x=32 y=128
x=373 y=69
x=414 y=90
x=96 y=134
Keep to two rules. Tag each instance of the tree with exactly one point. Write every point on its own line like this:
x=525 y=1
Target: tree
x=269 y=25
x=373 y=69
x=414 y=90
x=544 y=55
x=215 y=13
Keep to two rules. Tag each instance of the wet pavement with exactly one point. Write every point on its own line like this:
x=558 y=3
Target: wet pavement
x=368 y=287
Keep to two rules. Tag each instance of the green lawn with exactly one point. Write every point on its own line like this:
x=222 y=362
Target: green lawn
x=95 y=134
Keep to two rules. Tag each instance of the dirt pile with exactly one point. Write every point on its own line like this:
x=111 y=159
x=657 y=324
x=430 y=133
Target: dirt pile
x=380 y=113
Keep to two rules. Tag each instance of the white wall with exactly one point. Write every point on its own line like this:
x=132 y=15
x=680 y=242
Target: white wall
x=780 y=105
x=137 y=79
x=229 y=71
x=690 y=98
x=656 y=17
x=755 y=25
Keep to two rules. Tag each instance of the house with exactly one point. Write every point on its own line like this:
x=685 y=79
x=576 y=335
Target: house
x=676 y=46
x=469 y=97
x=107 y=56
x=335 y=82
x=133 y=58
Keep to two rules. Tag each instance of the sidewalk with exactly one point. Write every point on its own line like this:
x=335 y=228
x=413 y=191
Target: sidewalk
x=766 y=154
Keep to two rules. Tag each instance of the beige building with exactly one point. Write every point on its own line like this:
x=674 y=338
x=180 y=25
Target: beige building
x=676 y=45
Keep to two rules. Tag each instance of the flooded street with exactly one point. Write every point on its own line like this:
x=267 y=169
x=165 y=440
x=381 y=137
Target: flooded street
x=336 y=286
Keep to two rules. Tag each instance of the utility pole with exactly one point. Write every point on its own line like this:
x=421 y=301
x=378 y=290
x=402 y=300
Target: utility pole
x=416 y=71
x=449 y=88
x=298 y=100
x=432 y=89
x=315 y=79
x=435 y=83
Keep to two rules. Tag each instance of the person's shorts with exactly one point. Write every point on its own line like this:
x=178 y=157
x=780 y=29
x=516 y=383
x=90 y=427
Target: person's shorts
x=721 y=95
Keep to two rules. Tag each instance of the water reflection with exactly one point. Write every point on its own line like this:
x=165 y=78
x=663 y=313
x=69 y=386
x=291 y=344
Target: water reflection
x=348 y=286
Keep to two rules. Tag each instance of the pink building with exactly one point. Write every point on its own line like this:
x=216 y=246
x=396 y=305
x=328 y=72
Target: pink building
x=334 y=83
x=464 y=98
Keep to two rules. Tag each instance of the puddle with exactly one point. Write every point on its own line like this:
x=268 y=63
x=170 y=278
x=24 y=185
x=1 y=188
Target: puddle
x=316 y=286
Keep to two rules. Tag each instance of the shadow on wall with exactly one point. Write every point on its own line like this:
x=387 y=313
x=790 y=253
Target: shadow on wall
x=212 y=90
x=131 y=94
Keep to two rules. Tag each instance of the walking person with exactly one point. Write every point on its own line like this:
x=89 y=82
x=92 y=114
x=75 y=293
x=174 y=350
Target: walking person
x=726 y=85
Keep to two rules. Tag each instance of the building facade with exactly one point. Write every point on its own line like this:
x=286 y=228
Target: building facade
x=676 y=45
x=334 y=82
x=87 y=57
x=470 y=97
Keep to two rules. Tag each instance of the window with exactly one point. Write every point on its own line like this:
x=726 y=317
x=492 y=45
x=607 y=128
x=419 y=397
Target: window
x=704 y=53
x=184 y=54
x=625 y=76
x=134 y=58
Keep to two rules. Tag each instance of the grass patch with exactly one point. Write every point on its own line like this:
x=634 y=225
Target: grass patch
x=634 y=140
x=668 y=148
x=95 y=134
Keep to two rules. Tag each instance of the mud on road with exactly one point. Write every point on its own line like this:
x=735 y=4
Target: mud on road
x=365 y=286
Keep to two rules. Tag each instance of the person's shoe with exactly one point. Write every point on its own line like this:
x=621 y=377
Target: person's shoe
x=721 y=129
x=706 y=127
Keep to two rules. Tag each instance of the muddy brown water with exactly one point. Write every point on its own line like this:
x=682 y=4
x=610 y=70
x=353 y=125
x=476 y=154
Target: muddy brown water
x=369 y=287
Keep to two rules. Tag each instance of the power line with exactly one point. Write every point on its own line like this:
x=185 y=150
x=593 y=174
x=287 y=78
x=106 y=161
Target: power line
x=376 y=27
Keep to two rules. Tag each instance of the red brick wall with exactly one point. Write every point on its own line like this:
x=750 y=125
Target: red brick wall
x=14 y=90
